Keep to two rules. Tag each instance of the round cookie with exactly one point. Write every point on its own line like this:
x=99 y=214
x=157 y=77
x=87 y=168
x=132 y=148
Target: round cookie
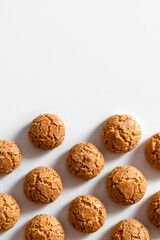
x=9 y=212
x=10 y=156
x=85 y=161
x=87 y=214
x=154 y=209
x=42 y=185
x=152 y=151
x=130 y=229
x=44 y=227
x=126 y=185
x=121 y=133
x=47 y=131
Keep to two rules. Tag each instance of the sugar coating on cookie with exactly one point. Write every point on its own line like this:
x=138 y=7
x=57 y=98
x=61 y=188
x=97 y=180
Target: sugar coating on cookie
x=87 y=214
x=121 y=133
x=85 y=161
x=130 y=229
x=44 y=227
x=42 y=185
x=152 y=151
x=47 y=131
x=126 y=185
x=154 y=209
x=10 y=156
x=9 y=212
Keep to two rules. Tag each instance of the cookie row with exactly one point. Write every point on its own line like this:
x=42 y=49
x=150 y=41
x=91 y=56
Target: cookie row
x=86 y=214
x=120 y=133
x=126 y=185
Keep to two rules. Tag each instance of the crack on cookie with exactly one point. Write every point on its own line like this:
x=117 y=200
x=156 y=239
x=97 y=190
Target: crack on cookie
x=113 y=184
x=85 y=161
x=87 y=214
x=51 y=183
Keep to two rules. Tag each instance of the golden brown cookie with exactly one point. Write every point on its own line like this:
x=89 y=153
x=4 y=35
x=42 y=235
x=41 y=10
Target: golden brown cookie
x=85 y=161
x=154 y=209
x=121 y=133
x=44 y=227
x=130 y=229
x=87 y=214
x=47 y=131
x=42 y=185
x=126 y=185
x=10 y=156
x=152 y=151
x=9 y=212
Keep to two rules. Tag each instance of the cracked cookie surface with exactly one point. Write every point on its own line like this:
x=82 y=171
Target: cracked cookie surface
x=9 y=212
x=47 y=131
x=152 y=151
x=154 y=209
x=87 y=214
x=10 y=156
x=126 y=185
x=44 y=227
x=130 y=229
x=120 y=133
x=42 y=185
x=85 y=161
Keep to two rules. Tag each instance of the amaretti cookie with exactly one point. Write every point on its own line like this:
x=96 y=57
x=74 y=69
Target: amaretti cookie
x=9 y=212
x=130 y=229
x=121 y=133
x=85 y=161
x=152 y=151
x=154 y=209
x=87 y=214
x=44 y=227
x=47 y=131
x=10 y=156
x=126 y=185
x=42 y=185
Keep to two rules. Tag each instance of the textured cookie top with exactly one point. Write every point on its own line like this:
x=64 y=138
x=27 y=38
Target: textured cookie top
x=44 y=227
x=130 y=229
x=47 y=131
x=152 y=151
x=126 y=185
x=87 y=214
x=85 y=161
x=10 y=156
x=42 y=185
x=9 y=212
x=121 y=133
x=154 y=209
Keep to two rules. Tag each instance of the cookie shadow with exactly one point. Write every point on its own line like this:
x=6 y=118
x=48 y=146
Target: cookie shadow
x=2 y=176
x=138 y=160
x=107 y=234
x=141 y=215
x=26 y=206
x=68 y=180
x=96 y=139
x=27 y=149
x=70 y=232
x=100 y=191
x=19 y=234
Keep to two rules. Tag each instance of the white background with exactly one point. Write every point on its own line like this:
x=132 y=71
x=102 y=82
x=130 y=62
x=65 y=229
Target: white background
x=84 y=61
